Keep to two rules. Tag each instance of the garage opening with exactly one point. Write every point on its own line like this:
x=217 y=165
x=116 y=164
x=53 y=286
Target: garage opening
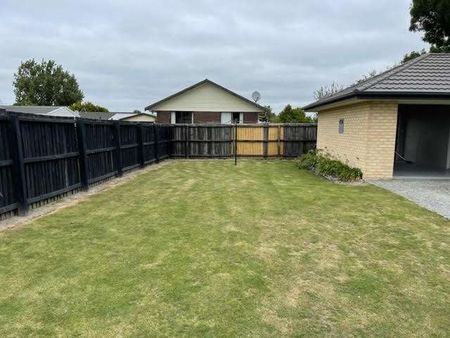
x=423 y=142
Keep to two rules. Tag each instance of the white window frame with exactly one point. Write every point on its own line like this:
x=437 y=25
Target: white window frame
x=225 y=117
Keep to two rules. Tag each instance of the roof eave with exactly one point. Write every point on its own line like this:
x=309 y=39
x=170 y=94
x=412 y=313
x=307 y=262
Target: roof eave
x=378 y=95
x=317 y=104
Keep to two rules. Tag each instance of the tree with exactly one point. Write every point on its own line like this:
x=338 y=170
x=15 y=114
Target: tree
x=433 y=18
x=413 y=55
x=87 y=107
x=327 y=90
x=45 y=84
x=368 y=76
x=293 y=115
x=268 y=115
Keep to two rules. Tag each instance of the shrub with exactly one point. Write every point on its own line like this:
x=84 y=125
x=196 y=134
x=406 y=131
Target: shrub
x=323 y=165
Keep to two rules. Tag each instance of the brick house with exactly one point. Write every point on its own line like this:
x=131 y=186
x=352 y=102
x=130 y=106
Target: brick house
x=206 y=102
x=396 y=124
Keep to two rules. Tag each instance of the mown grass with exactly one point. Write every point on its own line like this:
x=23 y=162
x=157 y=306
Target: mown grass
x=204 y=248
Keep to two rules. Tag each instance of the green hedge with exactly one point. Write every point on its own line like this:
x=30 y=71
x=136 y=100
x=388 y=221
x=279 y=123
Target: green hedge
x=322 y=164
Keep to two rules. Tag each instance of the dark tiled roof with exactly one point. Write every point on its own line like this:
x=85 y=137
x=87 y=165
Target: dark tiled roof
x=96 y=115
x=40 y=110
x=426 y=75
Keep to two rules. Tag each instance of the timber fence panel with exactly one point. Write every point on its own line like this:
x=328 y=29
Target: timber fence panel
x=50 y=156
x=299 y=139
x=8 y=201
x=101 y=150
x=210 y=141
x=148 y=143
x=250 y=140
x=130 y=145
x=164 y=141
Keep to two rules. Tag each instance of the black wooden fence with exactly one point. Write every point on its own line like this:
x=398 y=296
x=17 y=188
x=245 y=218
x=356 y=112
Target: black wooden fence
x=45 y=157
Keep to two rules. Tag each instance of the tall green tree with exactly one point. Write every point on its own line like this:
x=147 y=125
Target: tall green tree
x=268 y=115
x=413 y=55
x=293 y=115
x=433 y=18
x=45 y=84
x=88 y=107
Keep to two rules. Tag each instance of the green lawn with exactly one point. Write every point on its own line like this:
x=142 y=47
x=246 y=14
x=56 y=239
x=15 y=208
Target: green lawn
x=204 y=248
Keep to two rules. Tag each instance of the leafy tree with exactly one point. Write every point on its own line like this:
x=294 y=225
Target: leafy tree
x=294 y=115
x=88 y=107
x=268 y=115
x=45 y=84
x=433 y=18
x=136 y=111
x=327 y=90
x=414 y=54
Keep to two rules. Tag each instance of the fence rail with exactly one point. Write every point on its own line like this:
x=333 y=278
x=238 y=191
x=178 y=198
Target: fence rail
x=42 y=158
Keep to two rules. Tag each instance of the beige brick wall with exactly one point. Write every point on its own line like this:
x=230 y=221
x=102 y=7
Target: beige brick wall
x=368 y=141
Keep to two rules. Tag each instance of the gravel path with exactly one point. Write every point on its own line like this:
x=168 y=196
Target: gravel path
x=433 y=195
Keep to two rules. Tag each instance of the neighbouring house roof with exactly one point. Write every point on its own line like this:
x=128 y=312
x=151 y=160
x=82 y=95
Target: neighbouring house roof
x=427 y=76
x=124 y=116
x=116 y=116
x=41 y=110
x=96 y=115
x=197 y=85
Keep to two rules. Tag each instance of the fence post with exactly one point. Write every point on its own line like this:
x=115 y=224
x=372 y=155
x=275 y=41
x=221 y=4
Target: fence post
x=156 y=140
x=116 y=131
x=171 y=138
x=140 y=140
x=235 y=143
x=279 y=140
x=186 y=142
x=265 y=140
x=20 y=186
x=82 y=149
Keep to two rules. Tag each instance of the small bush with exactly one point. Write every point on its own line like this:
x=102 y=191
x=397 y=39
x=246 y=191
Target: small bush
x=323 y=165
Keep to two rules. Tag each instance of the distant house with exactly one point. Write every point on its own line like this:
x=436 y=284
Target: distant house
x=60 y=111
x=119 y=116
x=134 y=117
x=206 y=102
x=394 y=124
x=67 y=112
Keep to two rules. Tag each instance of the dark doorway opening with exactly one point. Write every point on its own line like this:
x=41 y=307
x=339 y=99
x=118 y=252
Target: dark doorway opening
x=235 y=118
x=423 y=141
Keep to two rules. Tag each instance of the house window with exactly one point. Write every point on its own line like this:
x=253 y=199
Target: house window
x=341 y=126
x=236 y=117
x=183 y=117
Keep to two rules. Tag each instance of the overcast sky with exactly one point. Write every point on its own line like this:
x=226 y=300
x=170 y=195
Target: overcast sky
x=128 y=54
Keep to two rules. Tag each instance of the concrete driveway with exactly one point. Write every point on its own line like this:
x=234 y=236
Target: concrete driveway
x=433 y=195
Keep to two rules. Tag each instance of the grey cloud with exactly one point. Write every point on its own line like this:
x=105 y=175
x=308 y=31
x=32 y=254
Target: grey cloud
x=127 y=54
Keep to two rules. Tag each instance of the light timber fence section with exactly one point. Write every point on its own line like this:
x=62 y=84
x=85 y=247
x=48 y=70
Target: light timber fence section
x=259 y=140
x=44 y=158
